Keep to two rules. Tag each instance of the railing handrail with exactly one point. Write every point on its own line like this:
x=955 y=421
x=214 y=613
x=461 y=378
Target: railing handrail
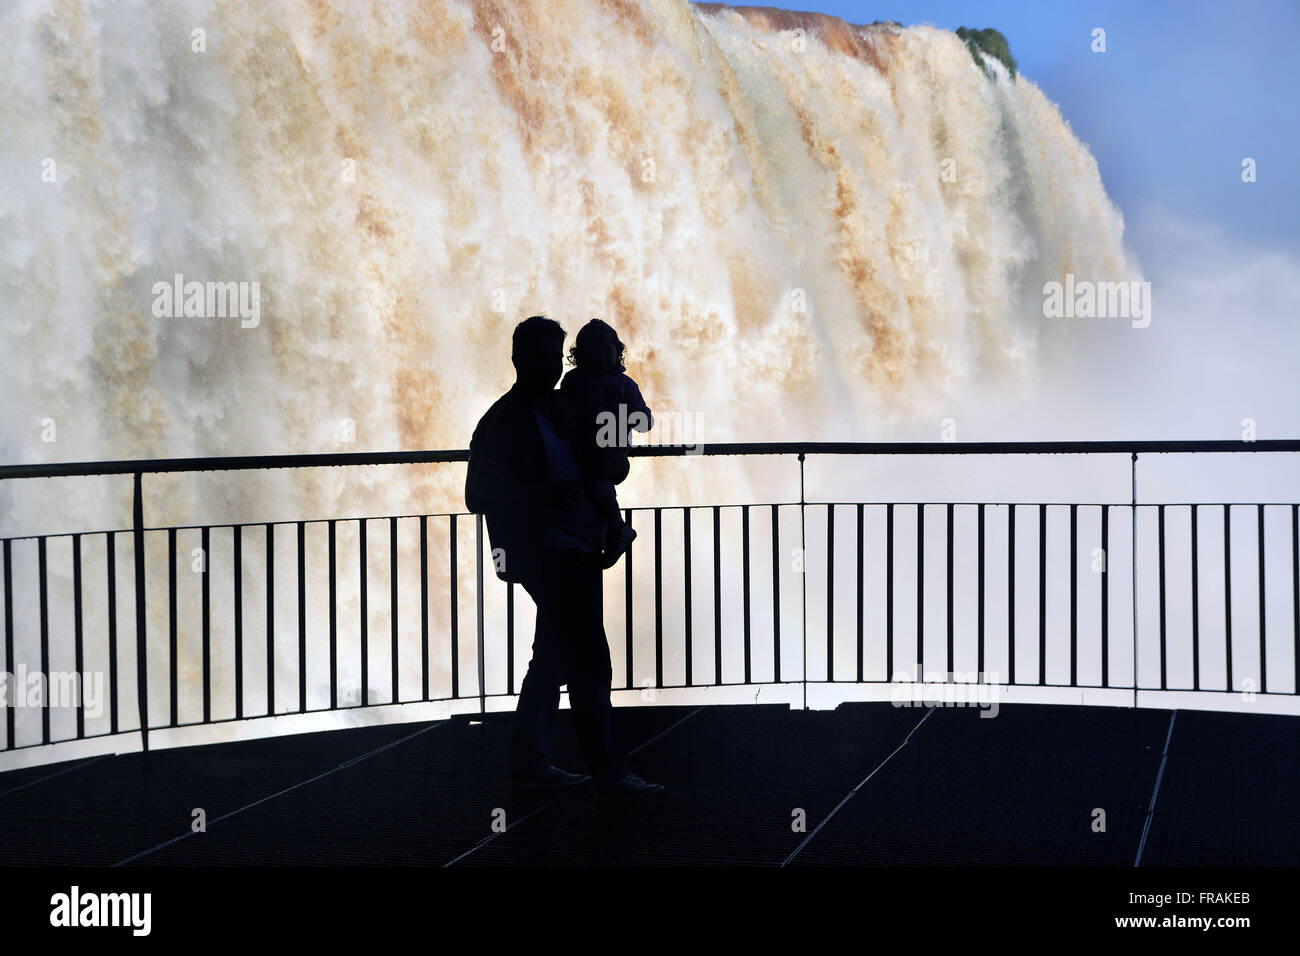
x=340 y=459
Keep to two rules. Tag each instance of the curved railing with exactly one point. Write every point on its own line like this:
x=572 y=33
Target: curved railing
x=807 y=602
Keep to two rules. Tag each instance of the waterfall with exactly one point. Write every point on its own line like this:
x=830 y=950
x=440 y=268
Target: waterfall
x=803 y=229
x=797 y=225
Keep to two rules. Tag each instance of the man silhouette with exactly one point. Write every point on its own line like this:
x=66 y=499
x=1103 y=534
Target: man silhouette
x=523 y=476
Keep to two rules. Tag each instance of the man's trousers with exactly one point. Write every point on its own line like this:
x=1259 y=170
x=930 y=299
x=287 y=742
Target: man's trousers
x=569 y=646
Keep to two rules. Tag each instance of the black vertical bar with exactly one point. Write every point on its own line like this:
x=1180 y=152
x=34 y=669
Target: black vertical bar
x=1042 y=595
x=238 y=561
x=889 y=591
x=803 y=583
x=270 y=618
x=920 y=591
x=9 y=640
x=424 y=612
x=1011 y=594
x=1160 y=525
x=627 y=608
x=830 y=592
x=455 y=617
x=1133 y=568
x=365 y=608
x=111 y=554
x=172 y=670
x=45 y=640
x=686 y=590
x=1227 y=590
x=1295 y=592
x=480 y=656
x=1105 y=595
x=141 y=647
x=1074 y=595
x=979 y=584
x=717 y=595
x=76 y=634
x=204 y=542
x=510 y=638
x=859 y=590
x=395 y=657
x=949 y=593
x=744 y=577
x=1263 y=657
x=302 y=617
x=776 y=598
x=659 y=601
x=1196 y=610
x=334 y=620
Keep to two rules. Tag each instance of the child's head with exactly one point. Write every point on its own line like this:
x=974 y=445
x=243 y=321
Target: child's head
x=597 y=346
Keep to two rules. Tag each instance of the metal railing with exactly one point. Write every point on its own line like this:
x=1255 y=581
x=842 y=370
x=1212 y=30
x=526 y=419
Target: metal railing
x=688 y=641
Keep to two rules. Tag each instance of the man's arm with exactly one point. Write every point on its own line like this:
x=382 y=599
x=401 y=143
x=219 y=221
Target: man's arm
x=500 y=475
x=485 y=476
x=506 y=482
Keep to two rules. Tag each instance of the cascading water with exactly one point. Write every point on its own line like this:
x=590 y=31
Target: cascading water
x=797 y=225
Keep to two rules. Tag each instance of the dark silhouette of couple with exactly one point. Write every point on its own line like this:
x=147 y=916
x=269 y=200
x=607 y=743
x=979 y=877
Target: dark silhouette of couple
x=542 y=468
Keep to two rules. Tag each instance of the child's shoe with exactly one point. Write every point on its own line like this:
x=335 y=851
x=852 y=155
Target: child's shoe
x=617 y=541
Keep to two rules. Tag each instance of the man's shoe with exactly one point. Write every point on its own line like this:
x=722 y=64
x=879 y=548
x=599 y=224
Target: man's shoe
x=549 y=779
x=627 y=787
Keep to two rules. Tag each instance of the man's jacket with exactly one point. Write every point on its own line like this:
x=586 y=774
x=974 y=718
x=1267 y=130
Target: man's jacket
x=506 y=483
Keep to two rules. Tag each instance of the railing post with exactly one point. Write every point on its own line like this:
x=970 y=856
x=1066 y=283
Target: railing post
x=141 y=645
x=1133 y=567
x=43 y=601
x=7 y=551
x=478 y=600
x=803 y=579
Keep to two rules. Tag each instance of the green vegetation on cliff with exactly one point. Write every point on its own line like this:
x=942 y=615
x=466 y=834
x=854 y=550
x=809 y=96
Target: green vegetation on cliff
x=991 y=42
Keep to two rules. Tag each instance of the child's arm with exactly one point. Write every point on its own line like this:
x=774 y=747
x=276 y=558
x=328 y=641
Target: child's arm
x=631 y=396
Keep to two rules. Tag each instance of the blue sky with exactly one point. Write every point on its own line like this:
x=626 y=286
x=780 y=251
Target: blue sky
x=1182 y=94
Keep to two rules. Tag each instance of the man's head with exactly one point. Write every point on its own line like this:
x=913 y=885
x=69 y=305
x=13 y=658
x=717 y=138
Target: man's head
x=538 y=353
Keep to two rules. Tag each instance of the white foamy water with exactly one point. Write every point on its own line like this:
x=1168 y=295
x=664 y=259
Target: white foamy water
x=767 y=223
x=767 y=226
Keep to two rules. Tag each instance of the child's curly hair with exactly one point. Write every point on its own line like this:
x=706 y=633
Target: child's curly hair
x=590 y=337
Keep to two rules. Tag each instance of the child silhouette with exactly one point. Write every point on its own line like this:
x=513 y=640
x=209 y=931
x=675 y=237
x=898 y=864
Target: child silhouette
x=606 y=402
